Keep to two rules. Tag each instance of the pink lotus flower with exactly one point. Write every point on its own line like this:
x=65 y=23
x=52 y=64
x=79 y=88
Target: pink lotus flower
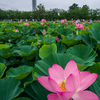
x=65 y=20
x=18 y=21
x=43 y=20
x=16 y=31
x=79 y=26
x=57 y=39
x=62 y=21
x=26 y=24
x=41 y=23
x=68 y=83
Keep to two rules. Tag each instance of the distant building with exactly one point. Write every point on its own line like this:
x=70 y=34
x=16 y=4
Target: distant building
x=34 y=5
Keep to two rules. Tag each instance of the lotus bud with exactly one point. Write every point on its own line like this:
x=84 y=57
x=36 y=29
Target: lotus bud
x=44 y=32
x=66 y=23
x=17 y=31
x=57 y=39
x=9 y=41
x=72 y=34
x=87 y=28
x=47 y=23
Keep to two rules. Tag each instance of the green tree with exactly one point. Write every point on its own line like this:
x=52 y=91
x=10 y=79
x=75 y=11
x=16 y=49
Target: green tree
x=25 y=15
x=63 y=14
x=33 y=15
x=17 y=14
x=94 y=14
x=85 y=12
x=40 y=11
x=73 y=6
x=3 y=14
x=75 y=13
x=54 y=13
x=48 y=15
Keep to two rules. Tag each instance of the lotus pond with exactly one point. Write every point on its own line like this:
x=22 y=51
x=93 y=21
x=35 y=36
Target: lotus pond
x=27 y=51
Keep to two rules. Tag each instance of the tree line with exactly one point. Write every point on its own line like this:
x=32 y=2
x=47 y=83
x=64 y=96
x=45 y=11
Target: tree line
x=74 y=12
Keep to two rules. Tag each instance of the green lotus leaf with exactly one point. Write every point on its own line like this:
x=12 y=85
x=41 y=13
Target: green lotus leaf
x=1 y=29
x=95 y=68
x=95 y=33
x=61 y=48
x=50 y=30
x=65 y=32
x=71 y=40
x=26 y=51
x=30 y=39
x=21 y=43
x=2 y=69
x=23 y=30
x=82 y=67
x=16 y=35
x=20 y=25
x=83 y=54
x=95 y=26
x=2 y=46
x=6 y=53
x=46 y=50
x=1 y=33
x=89 y=41
x=22 y=98
x=49 y=40
x=32 y=31
x=84 y=31
x=4 y=37
x=95 y=87
x=27 y=80
x=41 y=66
x=9 y=88
x=20 y=72
x=36 y=91
x=9 y=29
x=98 y=57
x=98 y=45
x=2 y=60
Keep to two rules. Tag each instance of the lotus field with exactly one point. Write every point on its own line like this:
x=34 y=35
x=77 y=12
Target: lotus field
x=50 y=60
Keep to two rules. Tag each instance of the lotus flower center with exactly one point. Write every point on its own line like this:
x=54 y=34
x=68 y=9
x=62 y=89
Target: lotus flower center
x=62 y=86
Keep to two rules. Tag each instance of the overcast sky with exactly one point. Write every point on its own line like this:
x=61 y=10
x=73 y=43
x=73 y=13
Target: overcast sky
x=26 y=5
